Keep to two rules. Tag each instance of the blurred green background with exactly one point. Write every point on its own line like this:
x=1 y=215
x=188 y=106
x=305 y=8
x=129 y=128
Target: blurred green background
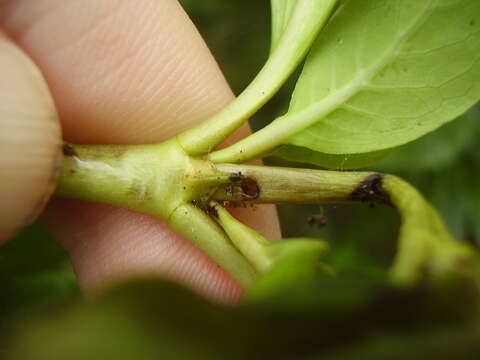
x=444 y=165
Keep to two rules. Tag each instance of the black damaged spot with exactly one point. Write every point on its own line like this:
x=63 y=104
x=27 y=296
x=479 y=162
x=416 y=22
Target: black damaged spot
x=210 y=210
x=68 y=150
x=371 y=190
x=250 y=189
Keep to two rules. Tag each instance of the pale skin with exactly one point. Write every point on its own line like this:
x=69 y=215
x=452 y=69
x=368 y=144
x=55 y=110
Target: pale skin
x=119 y=72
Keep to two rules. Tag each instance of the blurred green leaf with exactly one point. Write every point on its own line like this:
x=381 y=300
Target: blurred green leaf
x=34 y=270
x=294 y=261
x=152 y=319
x=455 y=192
x=31 y=251
x=442 y=344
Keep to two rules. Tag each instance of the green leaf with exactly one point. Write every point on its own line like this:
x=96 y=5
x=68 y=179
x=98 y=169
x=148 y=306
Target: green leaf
x=380 y=74
x=330 y=161
x=434 y=151
x=387 y=72
x=281 y=12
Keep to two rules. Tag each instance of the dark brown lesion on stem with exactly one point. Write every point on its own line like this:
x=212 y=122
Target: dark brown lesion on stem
x=207 y=208
x=69 y=150
x=211 y=211
x=250 y=188
x=265 y=184
x=371 y=191
x=242 y=187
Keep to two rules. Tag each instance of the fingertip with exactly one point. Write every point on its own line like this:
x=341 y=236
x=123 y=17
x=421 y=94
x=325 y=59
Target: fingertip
x=126 y=72
x=110 y=245
x=30 y=140
x=123 y=72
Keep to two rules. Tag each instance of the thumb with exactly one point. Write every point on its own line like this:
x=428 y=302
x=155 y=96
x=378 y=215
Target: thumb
x=30 y=140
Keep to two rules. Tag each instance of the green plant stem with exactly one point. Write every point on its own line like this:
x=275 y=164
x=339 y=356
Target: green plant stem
x=306 y=21
x=291 y=185
x=267 y=139
x=195 y=225
x=425 y=248
x=163 y=181
x=280 y=263
x=424 y=244
x=159 y=180
x=250 y=243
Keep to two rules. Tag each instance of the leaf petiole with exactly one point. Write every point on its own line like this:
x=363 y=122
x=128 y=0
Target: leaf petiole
x=307 y=19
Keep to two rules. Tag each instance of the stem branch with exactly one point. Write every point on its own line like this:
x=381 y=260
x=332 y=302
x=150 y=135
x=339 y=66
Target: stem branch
x=163 y=181
x=306 y=21
x=425 y=247
x=265 y=184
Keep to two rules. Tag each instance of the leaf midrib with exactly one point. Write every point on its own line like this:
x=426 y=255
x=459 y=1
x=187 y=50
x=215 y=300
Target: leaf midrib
x=363 y=78
x=288 y=125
